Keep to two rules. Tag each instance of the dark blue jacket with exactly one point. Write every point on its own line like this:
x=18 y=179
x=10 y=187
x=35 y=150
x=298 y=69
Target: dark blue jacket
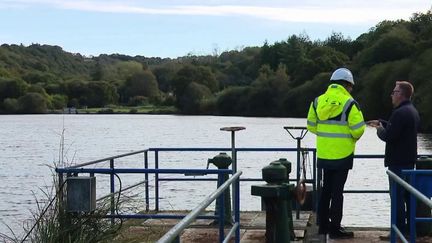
x=400 y=135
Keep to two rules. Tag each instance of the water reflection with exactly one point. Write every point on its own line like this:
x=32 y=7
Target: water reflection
x=424 y=143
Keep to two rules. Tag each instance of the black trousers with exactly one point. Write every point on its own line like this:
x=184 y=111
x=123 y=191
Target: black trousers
x=402 y=199
x=330 y=207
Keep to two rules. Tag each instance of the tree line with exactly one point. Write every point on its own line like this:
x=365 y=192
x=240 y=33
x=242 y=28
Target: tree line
x=278 y=80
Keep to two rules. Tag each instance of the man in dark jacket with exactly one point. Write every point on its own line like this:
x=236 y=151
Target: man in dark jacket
x=400 y=135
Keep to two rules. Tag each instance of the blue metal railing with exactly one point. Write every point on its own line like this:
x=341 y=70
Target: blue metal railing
x=414 y=195
x=316 y=174
x=113 y=171
x=312 y=181
x=74 y=170
x=173 y=233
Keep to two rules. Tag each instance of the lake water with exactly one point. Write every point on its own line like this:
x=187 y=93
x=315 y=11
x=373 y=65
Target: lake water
x=30 y=145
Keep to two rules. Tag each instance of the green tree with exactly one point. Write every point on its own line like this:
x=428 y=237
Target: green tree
x=164 y=76
x=292 y=106
x=59 y=101
x=233 y=101
x=375 y=87
x=12 y=88
x=420 y=75
x=338 y=42
x=193 y=97
x=198 y=74
x=142 y=83
x=100 y=94
x=32 y=103
x=11 y=105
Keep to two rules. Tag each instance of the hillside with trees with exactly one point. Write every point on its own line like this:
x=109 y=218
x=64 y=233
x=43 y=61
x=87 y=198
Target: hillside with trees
x=277 y=80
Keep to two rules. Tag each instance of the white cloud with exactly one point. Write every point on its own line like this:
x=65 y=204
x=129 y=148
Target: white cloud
x=285 y=11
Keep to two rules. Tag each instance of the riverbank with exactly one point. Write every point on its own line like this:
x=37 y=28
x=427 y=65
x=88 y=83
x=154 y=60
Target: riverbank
x=145 y=109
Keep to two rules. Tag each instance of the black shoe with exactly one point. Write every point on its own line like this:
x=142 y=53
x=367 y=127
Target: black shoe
x=341 y=233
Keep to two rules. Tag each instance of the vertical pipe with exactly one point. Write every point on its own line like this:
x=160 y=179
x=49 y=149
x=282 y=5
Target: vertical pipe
x=157 y=180
x=233 y=152
x=393 y=210
x=221 y=213
x=234 y=165
x=112 y=189
x=147 y=203
x=61 y=202
x=237 y=209
x=298 y=174
x=60 y=190
x=315 y=181
x=412 y=209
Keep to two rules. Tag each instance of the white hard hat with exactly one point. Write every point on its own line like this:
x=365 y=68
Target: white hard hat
x=343 y=74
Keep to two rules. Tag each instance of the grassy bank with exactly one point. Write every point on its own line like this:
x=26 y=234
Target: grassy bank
x=145 y=109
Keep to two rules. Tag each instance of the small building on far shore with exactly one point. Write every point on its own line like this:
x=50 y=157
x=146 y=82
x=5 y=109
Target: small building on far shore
x=70 y=110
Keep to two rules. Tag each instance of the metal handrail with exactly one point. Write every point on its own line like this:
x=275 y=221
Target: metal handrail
x=410 y=188
x=414 y=192
x=186 y=221
x=108 y=158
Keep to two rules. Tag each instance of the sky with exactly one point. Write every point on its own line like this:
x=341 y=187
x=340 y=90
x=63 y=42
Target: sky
x=174 y=28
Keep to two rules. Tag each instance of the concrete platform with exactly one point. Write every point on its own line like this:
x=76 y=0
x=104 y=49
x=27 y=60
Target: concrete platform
x=252 y=227
x=252 y=230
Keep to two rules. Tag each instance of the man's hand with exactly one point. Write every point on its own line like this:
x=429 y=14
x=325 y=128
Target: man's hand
x=374 y=123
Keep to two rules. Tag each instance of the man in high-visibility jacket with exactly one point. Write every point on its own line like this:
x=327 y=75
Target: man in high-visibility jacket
x=338 y=123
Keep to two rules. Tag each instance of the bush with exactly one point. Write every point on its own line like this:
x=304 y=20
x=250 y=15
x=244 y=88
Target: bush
x=138 y=100
x=11 y=105
x=133 y=111
x=59 y=101
x=106 y=111
x=32 y=103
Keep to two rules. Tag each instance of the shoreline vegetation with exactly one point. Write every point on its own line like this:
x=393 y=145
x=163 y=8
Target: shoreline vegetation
x=277 y=79
x=147 y=109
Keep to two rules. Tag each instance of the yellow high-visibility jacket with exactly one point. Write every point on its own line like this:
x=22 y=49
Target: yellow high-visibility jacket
x=338 y=123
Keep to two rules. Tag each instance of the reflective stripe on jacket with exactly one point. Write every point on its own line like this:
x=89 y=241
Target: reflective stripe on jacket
x=337 y=121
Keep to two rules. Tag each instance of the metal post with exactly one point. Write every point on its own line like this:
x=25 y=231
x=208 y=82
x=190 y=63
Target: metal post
x=112 y=189
x=393 y=211
x=157 y=181
x=60 y=190
x=221 y=208
x=61 y=203
x=298 y=138
x=146 y=176
x=412 y=210
x=298 y=174
x=233 y=154
x=315 y=186
x=237 y=209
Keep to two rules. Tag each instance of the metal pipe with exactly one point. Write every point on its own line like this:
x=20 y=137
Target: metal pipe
x=152 y=216
x=146 y=176
x=401 y=236
x=231 y=232
x=178 y=228
x=298 y=174
x=410 y=189
x=122 y=190
x=237 y=210
x=107 y=159
x=221 y=209
x=156 y=181
x=139 y=171
x=112 y=189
